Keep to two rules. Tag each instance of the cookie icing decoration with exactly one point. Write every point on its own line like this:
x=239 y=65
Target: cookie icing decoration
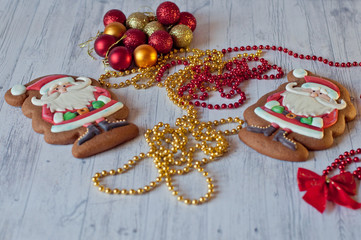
x=68 y=109
x=18 y=90
x=304 y=114
x=299 y=73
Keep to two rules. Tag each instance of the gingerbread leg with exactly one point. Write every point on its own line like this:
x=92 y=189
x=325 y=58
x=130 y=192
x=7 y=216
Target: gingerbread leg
x=91 y=132
x=281 y=136
x=106 y=125
x=267 y=131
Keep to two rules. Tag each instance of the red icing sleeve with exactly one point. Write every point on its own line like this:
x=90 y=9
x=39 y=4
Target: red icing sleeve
x=47 y=114
x=330 y=119
x=101 y=92
x=275 y=97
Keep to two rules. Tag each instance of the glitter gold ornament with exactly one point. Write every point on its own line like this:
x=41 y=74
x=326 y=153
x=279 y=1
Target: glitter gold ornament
x=151 y=27
x=115 y=29
x=145 y=56
x=182 y=35
x=137 y=20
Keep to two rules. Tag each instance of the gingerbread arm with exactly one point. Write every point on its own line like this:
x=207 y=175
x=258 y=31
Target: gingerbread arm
x=15 y=100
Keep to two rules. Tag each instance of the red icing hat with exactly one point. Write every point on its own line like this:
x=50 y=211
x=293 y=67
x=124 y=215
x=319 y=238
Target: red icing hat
x=41 y=85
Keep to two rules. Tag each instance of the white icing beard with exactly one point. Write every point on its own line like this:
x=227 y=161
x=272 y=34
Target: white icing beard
x=300 y=104
x=70 y=100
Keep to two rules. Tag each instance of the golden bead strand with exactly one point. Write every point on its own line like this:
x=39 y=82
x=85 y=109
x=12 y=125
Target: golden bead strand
x=165 y=141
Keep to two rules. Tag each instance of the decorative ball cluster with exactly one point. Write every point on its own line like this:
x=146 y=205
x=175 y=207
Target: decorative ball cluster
x=143 y=36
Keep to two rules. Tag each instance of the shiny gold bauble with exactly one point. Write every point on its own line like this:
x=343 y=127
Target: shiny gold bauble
x=151 y=27
x=115 y=29
x=182 y=35
x=145 y=56
x=137 y=20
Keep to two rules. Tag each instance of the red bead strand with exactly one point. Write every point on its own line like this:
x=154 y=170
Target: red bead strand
x=342 y=161
x=238 y=71
x=307 y=57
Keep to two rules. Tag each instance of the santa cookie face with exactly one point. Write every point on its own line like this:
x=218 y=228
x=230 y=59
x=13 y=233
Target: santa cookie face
x=74 y=109
x=65 y=94
x=312 y=99
x=305 y=113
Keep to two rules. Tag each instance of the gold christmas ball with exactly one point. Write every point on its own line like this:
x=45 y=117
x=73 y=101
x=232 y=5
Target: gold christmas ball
x=115 y=29
x=182 y=35
x=151 y=27
x=137 y=20
x=152 y=18
x=145 y=56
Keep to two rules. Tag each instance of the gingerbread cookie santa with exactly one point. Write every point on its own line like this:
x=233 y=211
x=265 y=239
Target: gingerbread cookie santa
x=304 y=114
x=77 y=110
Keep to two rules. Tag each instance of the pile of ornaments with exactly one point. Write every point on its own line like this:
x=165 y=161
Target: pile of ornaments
x=141 y=36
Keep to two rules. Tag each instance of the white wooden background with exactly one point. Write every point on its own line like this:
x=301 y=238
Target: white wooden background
x=45 y=193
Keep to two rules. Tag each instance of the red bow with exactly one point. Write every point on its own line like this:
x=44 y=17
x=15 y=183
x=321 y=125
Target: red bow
x=321 y=188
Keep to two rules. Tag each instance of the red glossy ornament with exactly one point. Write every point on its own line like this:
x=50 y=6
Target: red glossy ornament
x=134 y=38
x=103 y=43
x=114 y=15
x=168 y=13
x=162 y=41
x=120 y=58
x=188 y=19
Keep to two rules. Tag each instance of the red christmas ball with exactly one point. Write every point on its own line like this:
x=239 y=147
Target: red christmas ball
x=114 y=15
x=162 y=41
x=103 y=43
x=134 y=38
x=168 y=13
x=120 y=58
x=188 y=19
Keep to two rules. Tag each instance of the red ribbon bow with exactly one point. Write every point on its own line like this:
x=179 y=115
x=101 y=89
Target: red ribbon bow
x=321 y=188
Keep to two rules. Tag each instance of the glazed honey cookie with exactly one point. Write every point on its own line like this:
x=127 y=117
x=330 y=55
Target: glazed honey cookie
x=68 y=109
x=304 y=114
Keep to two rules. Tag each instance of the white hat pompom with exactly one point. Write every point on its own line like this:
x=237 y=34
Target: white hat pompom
x=18 y=90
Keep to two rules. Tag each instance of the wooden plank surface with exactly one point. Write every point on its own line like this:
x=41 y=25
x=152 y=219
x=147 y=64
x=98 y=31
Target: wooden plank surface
x=45 y=193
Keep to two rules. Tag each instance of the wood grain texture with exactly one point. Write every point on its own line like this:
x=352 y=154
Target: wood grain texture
x=45 y=193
